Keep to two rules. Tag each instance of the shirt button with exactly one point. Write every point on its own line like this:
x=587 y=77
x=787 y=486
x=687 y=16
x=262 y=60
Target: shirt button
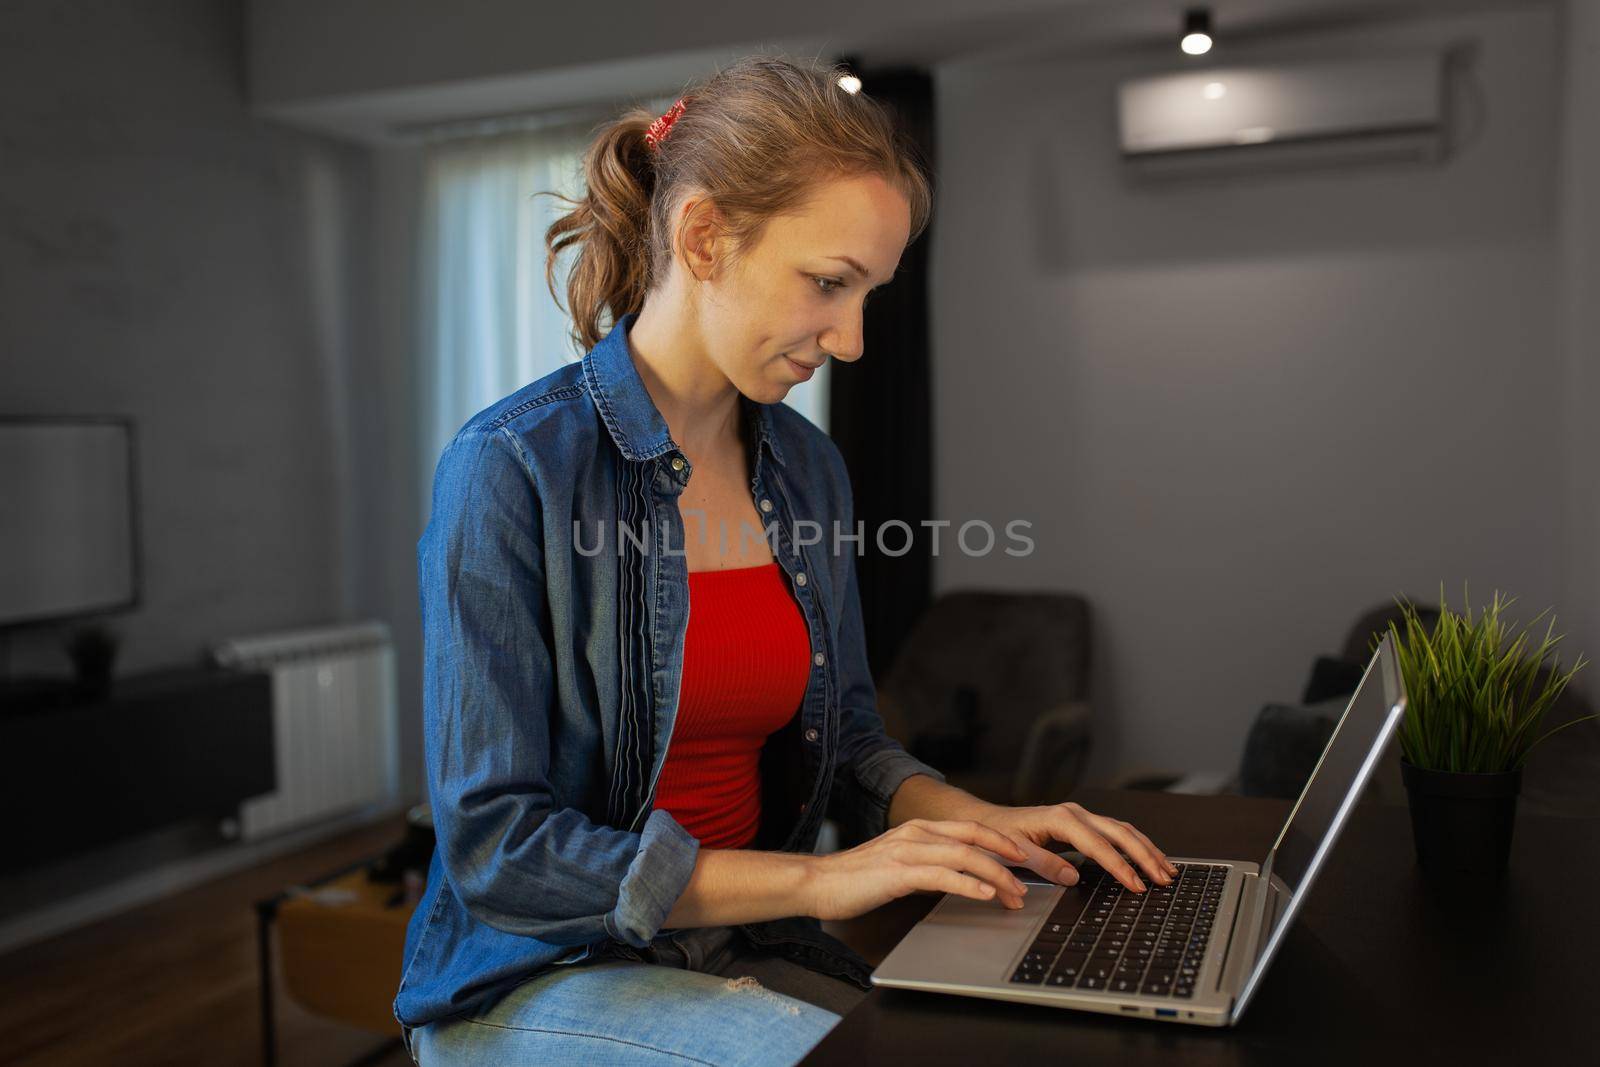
x=819 y=659
x=677 y=463
x=800 y=579
x=811 y=734
x=766 y=505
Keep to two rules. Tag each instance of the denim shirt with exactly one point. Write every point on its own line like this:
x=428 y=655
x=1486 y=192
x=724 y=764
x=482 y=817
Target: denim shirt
x=551 y=677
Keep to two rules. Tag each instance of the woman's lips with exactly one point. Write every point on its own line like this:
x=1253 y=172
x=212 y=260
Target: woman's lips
x=805 y=372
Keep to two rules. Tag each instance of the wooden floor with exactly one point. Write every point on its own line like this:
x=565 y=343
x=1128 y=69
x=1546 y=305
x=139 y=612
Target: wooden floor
x=175 y=982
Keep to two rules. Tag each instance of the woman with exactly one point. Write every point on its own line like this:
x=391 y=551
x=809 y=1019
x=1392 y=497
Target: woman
x=627 y=793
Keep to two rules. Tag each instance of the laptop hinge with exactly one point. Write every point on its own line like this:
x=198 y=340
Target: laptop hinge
x=1244 y=937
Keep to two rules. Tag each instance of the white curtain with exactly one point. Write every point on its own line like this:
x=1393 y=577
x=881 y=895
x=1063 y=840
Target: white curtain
x=488 y=323
x=487 y=320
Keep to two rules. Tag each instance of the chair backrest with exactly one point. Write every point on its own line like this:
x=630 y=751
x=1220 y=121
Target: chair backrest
x=1358 y=643
x=981 y=665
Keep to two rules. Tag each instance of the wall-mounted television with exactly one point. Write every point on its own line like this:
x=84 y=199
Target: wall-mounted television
x=69 y=537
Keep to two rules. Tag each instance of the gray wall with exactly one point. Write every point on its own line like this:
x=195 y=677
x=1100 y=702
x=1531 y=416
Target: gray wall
x=157 y=260
x=1238 y=413
x=1580 y=253
x=394 y=510
x=349 y=48
x=167 y=256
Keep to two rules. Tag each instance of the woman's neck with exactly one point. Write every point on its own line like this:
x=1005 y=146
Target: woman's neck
x=699 y=403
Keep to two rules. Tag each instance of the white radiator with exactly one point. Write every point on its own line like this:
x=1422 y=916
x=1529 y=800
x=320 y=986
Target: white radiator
x=334 y=728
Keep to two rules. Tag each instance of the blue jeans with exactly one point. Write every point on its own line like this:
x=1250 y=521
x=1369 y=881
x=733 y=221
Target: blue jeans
x=696 y=996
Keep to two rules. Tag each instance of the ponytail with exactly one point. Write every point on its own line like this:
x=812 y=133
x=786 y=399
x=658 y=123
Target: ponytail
x=755 y=138
x=611 y=223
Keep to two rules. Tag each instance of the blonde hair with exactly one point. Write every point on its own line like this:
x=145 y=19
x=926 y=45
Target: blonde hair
x=756 y=136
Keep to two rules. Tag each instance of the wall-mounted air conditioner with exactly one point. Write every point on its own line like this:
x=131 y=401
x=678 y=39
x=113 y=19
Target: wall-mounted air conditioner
x=1222 y=118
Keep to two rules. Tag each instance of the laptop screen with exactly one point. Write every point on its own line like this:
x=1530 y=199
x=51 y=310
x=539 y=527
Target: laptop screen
x=1356 y=740
x=1347 y=763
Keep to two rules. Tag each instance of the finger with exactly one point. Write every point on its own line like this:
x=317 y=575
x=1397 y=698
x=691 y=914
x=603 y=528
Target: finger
x=966 y=858
x=1133 y=844
x=977 y=833
x=944 y=880
x=1077 y=832
x=1050 y=865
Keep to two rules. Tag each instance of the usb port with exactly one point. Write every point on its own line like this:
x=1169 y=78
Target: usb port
x=1166 y=1013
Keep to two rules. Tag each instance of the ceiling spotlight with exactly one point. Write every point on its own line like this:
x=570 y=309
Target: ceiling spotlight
x=850 y=83
x=1196 y=31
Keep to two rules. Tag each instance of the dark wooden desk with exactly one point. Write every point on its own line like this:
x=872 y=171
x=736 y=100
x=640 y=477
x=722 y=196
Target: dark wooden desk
x=1379 y=963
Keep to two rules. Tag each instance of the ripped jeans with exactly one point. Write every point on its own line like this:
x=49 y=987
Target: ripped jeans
x=702 y=995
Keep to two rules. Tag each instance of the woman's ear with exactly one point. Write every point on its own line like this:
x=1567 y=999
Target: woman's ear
x=701 y=237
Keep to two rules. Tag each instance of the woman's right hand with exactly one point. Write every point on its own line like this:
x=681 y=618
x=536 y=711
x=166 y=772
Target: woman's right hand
x=919 y=854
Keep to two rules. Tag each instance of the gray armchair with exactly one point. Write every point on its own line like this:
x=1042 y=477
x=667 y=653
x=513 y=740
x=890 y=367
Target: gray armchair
x=991 y=688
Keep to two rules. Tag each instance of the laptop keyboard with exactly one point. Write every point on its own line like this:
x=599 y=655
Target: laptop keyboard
x=1104 y=937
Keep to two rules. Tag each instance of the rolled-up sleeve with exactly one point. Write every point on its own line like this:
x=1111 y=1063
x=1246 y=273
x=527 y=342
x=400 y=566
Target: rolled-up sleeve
x=870 y=765
x=516 y=861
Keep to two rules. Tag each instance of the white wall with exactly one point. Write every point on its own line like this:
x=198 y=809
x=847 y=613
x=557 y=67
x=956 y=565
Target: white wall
x=1240 y=413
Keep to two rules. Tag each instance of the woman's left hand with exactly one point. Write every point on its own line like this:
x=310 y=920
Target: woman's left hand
x=1098 y=837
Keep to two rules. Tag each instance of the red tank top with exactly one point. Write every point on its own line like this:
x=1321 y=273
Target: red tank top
x=746 y=661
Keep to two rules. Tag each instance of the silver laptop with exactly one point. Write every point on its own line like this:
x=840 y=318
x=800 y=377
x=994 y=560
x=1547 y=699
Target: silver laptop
x=1194 y=951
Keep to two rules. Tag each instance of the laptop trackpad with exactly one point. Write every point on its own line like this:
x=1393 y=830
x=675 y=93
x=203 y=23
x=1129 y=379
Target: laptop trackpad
x=968 y=941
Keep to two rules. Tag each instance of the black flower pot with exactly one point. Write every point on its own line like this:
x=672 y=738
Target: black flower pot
x=1462 y=822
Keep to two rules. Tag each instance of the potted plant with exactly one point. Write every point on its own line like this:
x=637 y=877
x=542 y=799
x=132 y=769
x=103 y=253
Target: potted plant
x=1476 y=695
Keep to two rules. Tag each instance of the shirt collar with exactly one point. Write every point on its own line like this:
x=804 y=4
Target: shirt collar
x=627 y=410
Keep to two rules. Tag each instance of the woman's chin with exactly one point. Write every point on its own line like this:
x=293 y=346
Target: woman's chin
x=770 y=390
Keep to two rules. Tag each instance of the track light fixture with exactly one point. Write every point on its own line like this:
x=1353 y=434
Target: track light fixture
x=1196 y=31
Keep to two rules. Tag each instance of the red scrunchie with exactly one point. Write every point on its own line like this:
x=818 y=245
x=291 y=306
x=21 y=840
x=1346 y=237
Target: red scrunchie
x=662 y=126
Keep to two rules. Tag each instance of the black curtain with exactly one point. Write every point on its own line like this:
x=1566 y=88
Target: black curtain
x=880 y=408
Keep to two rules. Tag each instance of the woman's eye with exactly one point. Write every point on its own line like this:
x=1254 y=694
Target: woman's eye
x=824 y=283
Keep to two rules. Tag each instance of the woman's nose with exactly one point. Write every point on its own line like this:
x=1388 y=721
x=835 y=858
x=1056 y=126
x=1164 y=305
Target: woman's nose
x=844 y=344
